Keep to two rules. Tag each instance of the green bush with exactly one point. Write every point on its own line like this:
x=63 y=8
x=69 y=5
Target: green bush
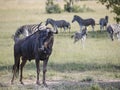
x=76 y=8
x=53 y=8
x=67 y=7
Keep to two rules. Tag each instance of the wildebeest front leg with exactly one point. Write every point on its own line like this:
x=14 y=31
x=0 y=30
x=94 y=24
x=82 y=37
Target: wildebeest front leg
x=44 y=71
x=21 y=69
x=38 y=71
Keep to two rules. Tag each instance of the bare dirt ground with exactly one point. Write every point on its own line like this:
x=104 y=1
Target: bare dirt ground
x=62 y=85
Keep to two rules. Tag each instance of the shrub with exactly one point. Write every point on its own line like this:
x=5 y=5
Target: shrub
x=76 y=8
x=52 y=8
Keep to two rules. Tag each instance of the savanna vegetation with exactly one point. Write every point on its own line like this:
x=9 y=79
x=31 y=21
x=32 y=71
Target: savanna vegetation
x=70 y=67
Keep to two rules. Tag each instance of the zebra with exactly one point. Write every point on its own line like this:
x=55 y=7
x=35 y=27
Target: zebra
x=114 y=29
x=84 y=22
x=26 y=30
x=59 y=23
x=80 y=36
x=103 y=22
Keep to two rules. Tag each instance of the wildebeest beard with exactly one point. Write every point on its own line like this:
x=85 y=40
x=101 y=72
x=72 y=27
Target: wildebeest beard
x=44 y=42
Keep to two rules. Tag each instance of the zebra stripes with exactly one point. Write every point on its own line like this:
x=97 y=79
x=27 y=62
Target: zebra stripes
x=27 y=30
x=114 y=29
x=80 y=36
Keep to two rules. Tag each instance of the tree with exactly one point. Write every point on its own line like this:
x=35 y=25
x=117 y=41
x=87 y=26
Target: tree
x=114 y=5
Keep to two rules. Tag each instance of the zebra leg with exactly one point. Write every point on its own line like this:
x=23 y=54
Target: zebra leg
x=118 y=36
x=100 y=27
x=64 y=29
x=80 y=28
x=83 y=41
x=93 y=28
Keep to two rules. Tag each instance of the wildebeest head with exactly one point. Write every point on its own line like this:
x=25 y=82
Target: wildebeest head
x=45 y=37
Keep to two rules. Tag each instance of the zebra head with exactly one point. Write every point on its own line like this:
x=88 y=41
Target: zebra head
x=49 y=21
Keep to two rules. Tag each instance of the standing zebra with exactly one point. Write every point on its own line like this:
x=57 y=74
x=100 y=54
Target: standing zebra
x=80 y=36
x=84 y=22
x=59 y=23
x=103 y=22
x=114 y=29
x=26 y=30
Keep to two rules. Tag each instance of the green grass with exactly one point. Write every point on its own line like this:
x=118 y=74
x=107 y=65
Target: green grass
x=99 y=60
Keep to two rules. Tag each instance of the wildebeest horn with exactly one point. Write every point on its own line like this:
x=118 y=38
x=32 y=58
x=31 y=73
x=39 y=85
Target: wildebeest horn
x=39 y=25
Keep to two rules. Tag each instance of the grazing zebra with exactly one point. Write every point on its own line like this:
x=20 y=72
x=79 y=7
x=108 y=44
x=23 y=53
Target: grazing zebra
x=26 y=30
x=84 y=22
x=103 y=22
x=80 y=36
x=59 y=23
x=114 y=29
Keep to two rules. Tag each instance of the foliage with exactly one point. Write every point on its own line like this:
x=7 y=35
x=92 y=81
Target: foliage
x=114 y=5
x=96 y=87
x=52 y=8
x=71 y=7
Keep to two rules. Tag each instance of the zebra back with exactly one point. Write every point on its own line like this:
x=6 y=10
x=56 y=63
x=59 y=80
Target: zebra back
x=27 y=30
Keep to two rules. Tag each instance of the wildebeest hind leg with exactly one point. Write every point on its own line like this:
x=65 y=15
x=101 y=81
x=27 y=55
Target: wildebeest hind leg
x=15 y=68
x=21 y=69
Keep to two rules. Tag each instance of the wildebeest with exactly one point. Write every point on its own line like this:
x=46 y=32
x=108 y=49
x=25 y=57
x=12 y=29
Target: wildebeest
x=59 y=23
x=80 y=36
x=103 y=22
x=37 y=46
x=26 y=30
x=113 y=29
x=84 y=22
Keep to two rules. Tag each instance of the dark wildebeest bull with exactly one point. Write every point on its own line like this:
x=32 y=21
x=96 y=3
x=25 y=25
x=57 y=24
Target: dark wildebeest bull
x=103 y=22
x=37 y=46
x=84 y=22
x=114 y=29
x=59 y=23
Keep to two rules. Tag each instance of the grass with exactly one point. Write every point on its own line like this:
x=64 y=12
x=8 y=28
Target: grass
x=99 y=60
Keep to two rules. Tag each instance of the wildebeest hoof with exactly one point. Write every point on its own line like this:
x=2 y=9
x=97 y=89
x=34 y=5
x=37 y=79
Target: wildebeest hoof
x=22 y=83
x=37 y=82
x=12 y=83
x=45 y=84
